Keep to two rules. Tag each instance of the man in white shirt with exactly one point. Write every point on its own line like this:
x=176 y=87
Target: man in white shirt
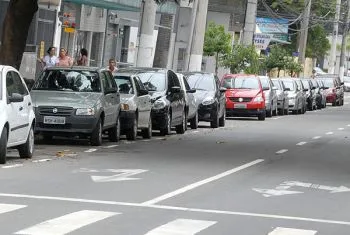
x=112 y=67
x=50 y=60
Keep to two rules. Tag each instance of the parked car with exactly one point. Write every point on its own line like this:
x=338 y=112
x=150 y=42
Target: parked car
x=135 y=106
x=294 y=94
x=335 y=91
x=282 y=97
x=317 y=93
x=210 y=97
x=191 y=102
x=17 y=118
x=270 y=96
x=311 y=97
x=168 y=100
x=322 y=88
x=77 y=101
x=346 y=83
x=244 y=96
x=301 y=88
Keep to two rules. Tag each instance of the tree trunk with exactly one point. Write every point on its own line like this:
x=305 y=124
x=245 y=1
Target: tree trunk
x=16 y=25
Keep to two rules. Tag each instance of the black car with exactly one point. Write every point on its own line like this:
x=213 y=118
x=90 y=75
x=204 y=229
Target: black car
x=210 y=97
x=168 y=99
x=311 y=95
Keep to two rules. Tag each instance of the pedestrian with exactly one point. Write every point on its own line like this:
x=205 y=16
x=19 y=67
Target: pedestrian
x=112 y=67
x=64 y=59
x=50 y=60
x=83 y=59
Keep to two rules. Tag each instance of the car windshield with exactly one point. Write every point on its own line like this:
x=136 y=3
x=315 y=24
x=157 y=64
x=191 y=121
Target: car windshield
x=265 y=83
x=124 y=84
x=346 y=79
x=203 y=82
x=277 y=84
x=306 y=84
x=289 y=84
x=328 y=83
x=241 y=83
x=153 y=81
x=68 y=80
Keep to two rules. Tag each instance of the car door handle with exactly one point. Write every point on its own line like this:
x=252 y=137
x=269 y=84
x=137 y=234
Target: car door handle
x=21 y=108
x=29 y=104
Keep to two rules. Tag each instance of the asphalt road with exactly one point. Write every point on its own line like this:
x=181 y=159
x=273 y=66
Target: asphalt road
x=288 y=175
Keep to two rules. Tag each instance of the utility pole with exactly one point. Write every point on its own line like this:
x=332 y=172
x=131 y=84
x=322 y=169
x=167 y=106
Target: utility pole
x=333 y=55
x=304 y=32
x=344 y=39
x=146 y=29
x=190 y=39
x=250 y=22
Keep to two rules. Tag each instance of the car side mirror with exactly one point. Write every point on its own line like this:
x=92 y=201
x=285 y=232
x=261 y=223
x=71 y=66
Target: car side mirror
x=266 y=88
x=191 y=91
x=325 y=88
x=16 y=98
x=223 y=89
x=175 y=89
x=286 y=89
x=143 y=92
x=111 y=90
x=342 y=83
x=306 y=89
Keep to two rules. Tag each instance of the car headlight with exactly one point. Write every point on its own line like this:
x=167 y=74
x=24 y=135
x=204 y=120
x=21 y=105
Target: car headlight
x=85 y=112
x=208 y=101
x=159 y=104
x=258 y=99
x=124 y=107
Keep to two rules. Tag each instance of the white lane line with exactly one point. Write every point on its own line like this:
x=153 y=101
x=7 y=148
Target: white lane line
x=301 y=143
x=282 y=151
x=111 y=146
x=42 y=160
x=4 y=208
x=341 y=129
x=202 y=182
x=182 y=227
x=173 y=208
x=90 y=150
x=12 y=166
x=291 y=231
x=330 y=133
x=67 y=223
x=349 y=125
x=317 y=137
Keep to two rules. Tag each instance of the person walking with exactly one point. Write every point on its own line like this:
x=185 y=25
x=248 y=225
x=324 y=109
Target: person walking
x=83 y=59
x=112 y=67
x=50 y=60
x=64 y=59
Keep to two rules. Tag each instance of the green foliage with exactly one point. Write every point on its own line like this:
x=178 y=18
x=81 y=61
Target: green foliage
x=317 y=43
x=244 y=59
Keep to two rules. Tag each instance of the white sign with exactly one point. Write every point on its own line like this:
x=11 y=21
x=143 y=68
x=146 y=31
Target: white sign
x=118 y=174
x=262 y=40
x=283 y=189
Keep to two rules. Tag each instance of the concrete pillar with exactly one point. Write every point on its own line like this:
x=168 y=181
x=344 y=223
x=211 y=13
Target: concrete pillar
x=145 y=46
x=196 y=56
x=250 y=22
x=89 y=45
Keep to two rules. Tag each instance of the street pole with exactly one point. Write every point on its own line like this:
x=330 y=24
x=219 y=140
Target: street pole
x=304 y=33
x=343 y=43
x=250 y=22
x=190 y=39
x=333 y=54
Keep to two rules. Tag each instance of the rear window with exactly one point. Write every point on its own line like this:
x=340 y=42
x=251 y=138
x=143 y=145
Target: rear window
x=289 y=84
x=241 y=83
x=124 y=84
x=153 y=81
x=306 y=84
x=328 y=82
x=68 y=80
x=277 y=84
x=204 y=82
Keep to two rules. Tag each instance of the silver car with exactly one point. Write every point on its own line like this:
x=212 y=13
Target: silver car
x=346 y=84
x=191 y=102
x=270 y=96
x=294 y=94
x=282 y=97
x=135 y=105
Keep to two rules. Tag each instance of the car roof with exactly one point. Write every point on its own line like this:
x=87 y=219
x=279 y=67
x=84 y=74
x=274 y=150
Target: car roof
x=194 y=72
x=75 y=68
x=136 y=70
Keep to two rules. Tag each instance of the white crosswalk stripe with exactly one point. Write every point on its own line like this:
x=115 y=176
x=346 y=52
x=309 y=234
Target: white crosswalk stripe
x=4 y=208
x=292 y=231
x=182 y=227
x=67 y=223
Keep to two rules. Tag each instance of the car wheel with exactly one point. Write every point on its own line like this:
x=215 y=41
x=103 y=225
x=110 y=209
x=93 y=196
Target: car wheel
x=215 y=122
x=181 y=129
x=96 y=137
x=114 y=132
x=26 y=150
x=194 y=122
x=342 y=102
x=262 y=116
x=334 y=103
x=222 y=120
x=147 y=133
x=3 y=146
x=167 y=129
x=269 y=113
x=275 y=111
x=131 y=134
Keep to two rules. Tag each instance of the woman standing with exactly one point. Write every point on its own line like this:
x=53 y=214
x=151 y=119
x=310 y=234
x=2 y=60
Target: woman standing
x=64 y=59
x=51 y=59
x=83 y=59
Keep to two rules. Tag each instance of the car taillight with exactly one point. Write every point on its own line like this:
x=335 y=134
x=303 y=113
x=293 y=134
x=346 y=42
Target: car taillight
x=334 y=90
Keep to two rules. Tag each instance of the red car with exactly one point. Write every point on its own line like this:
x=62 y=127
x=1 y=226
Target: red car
x=244 y=96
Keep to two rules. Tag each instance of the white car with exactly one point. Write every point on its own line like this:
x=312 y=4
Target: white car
x=17 y=116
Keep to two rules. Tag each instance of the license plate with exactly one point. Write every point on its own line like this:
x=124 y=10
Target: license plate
x=240 y=106
x=54 y=120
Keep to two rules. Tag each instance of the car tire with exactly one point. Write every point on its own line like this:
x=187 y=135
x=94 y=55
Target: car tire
x=167 y=129
x=275 y=112
x=262 y=116
x=222 y=120
x=131 y=134
x=286 y=111
x=334 y=103
x=114 y=132
x=295 y=112
x=26 y=150
x=215 y=122
x=269 y=113
x=96 y=136
x=342 y=102
x=3 y=146
x=181 y=129
x=147 y=132
x=194 y=122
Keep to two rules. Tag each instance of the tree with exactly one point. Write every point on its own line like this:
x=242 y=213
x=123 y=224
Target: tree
x=217 y=43
x=16 y=25
x=317 y=43
x=242 y=58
